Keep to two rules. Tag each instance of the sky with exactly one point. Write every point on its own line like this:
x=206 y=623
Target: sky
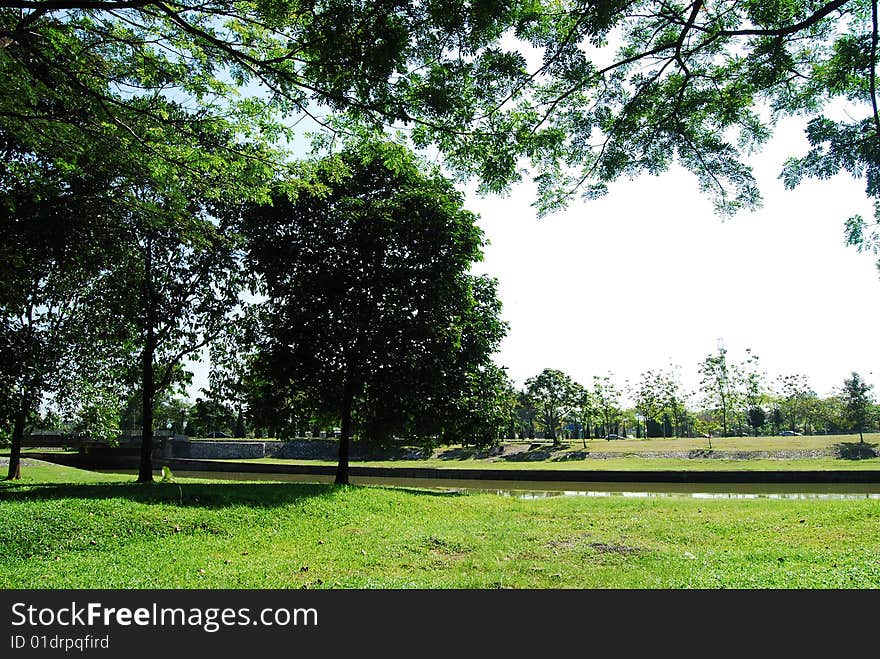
x=649 y=276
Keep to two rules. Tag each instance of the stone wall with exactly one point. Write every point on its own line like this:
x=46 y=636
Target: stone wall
x=223 y=450
x=295 y=449
x=310 y=449
x=328 y=449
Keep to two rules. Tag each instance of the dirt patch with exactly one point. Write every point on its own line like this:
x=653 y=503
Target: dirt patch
x=856 y=451
x=623 y=550
x=568 y=543
x=445 y=547
x=598 y=547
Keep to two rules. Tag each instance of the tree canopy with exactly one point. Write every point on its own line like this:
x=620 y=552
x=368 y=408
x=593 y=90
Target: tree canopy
x=584 y=92
x=554 y=396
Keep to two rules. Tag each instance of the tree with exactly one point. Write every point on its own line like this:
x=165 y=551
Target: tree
x=796 y=396
x=776 y=418
x=54 y=260
x=719 y=383
x=525 y=414
x=480 y=412
x=174 y=289
x=371 y=316
x=675 y=400
x=246 y=63
x=554 y=395
x=585 y=411
x=606 y=398
x=756 y=417
x=625 y=88
x=857 y=400
x=621 y=88
x=649 y=398
x=755 y=393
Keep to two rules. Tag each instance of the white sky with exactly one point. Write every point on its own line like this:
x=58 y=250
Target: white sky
x=649 y=275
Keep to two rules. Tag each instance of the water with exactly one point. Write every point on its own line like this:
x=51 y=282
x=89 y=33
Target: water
x=542 y=489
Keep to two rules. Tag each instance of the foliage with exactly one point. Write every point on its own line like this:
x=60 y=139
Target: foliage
x=720 y=383
x=54 y=258
x=756 y=417
x=796 y=399
x=160 y=75
x=371 y=316
x=606 y=398
x=555 y=396
x=857 y=400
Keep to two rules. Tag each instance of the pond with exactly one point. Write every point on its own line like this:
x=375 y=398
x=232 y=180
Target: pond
x=541 y=489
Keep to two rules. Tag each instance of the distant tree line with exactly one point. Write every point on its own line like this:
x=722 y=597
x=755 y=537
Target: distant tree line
x=733 y=399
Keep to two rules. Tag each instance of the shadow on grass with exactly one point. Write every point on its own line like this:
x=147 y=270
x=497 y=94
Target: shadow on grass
x=856 y=451
x=197 y=495
x=458 y=454
x=535 y=454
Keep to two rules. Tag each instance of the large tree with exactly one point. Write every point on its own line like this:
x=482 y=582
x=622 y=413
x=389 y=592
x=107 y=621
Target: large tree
x=176 y=289
x=616 y=88
x=53 y=261
x=371 y=316
x=628 y=87
x=249 y=63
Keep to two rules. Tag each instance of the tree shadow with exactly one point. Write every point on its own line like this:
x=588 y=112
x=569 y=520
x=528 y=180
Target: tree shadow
x=191 y=495
x=534 y=454
x=457 y=454
x=856 y=451
x=571 y=455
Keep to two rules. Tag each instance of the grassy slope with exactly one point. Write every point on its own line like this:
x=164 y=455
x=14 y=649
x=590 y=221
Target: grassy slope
x=269 y=535
x=718 y=443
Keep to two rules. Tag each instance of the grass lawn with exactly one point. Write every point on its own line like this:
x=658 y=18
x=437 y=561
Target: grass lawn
x=67 y=528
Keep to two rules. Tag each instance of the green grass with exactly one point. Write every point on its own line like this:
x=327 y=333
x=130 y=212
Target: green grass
x=36 y=471
x=192 y=534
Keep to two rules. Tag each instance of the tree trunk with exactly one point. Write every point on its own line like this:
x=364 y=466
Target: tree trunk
x=145 y=471
x=345 y=431
x=148 y=376
x=14 y=473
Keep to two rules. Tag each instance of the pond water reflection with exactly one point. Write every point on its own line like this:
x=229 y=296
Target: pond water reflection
x=542 y=489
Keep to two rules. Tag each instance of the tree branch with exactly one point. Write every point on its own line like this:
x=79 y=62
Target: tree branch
x=873 y=71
